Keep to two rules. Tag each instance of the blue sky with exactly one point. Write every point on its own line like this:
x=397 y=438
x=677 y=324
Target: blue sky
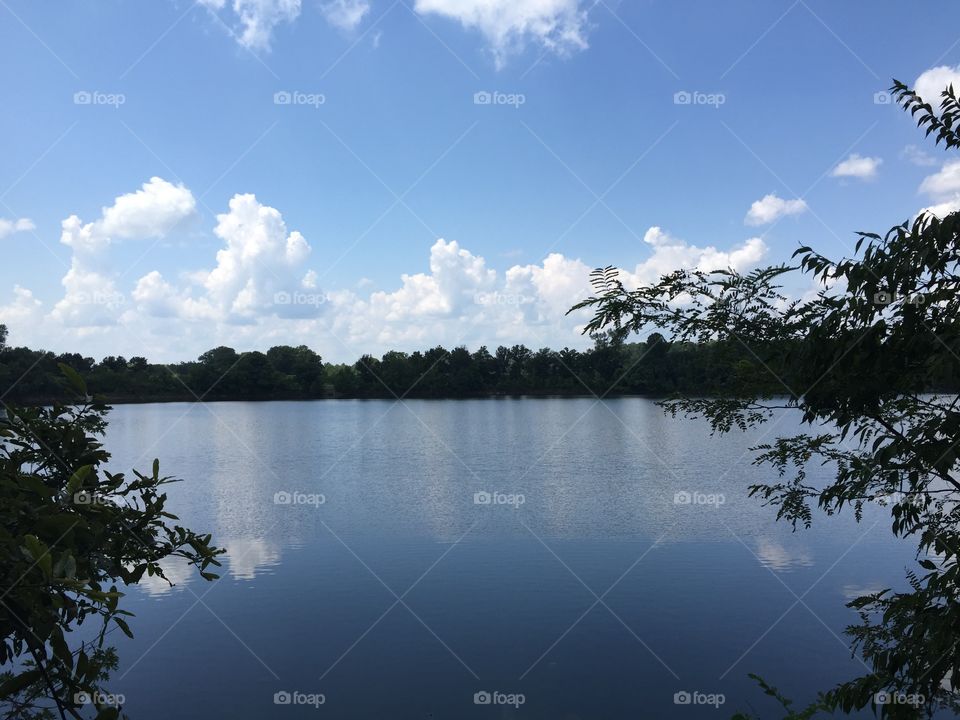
x=584 y=157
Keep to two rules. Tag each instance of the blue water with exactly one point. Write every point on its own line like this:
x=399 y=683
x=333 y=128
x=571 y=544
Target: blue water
x=396 y=595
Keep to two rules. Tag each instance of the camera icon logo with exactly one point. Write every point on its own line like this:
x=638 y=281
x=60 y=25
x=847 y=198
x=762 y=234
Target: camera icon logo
x=82 y=698
x=282 y=97
x=83 y=498
x=482 y=698
x=682 y=698
x=482 y=98
x=282 y=298
x=682 y=98
x=682 y=498
x=482 y=498
x=882 y=298
x=882 y=98
x=883 y=698
x=282 y=498
x=282 y=698
x=82 y=97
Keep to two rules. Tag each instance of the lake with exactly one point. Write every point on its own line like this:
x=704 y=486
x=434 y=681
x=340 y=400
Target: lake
x=527 y=558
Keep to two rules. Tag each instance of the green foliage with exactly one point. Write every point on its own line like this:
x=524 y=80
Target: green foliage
x=72 y=536
x=808 y=712
x=653 y=368
x=856 y=363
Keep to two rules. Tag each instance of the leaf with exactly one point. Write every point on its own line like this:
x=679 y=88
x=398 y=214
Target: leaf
x=19 y=682
x=74 y=379
x=60 y=649
x=122 y=624
x=40 y=554
x=78 y=478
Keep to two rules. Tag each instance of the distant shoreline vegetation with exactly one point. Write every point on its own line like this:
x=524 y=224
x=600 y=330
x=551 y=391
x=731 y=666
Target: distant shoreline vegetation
x=653 y=368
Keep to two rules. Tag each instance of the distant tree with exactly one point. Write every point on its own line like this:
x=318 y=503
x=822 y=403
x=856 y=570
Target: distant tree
x=72 y=533
x=857 y=364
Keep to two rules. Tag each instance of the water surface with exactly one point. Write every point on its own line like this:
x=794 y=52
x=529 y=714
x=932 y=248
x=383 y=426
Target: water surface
x=386 y=588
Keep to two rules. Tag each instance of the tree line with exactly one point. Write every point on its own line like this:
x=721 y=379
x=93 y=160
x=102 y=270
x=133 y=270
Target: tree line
x=654 y=367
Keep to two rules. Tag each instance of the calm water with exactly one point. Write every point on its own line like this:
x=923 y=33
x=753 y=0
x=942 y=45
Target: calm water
x=398 y=596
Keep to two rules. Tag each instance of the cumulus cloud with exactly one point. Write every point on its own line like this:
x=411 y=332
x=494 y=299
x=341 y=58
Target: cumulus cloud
x=261 y=270
x=917 y=156
x=25 y=308
x=670 y=253
x=8 y=227
x=252 y=22
x=942 y=209
x=944 y=182
x=934 y=81
x=345 y=14
x=92 y=297
x=770 y=208
x=857 y=166
x=260 y=290
x=260 y=262
x=150 y=212
x=559 y=26
x=461 y=300
x=944 y=188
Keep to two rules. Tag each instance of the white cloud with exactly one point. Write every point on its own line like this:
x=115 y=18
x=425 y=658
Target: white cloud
x=858 y=166
x=670 y=253
x=345 y=14
x=255 y=20
x=152 y=211
x=946 y=181
x=770 y=208
x=558 y=26
x=24 y=310
x=917 y=156
x=944 y=188
x=260 y=271
x=260 y=260
x=934 y=81
x=942 y=209
x=260 y=290
x=8 y=227
x=92 y=297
